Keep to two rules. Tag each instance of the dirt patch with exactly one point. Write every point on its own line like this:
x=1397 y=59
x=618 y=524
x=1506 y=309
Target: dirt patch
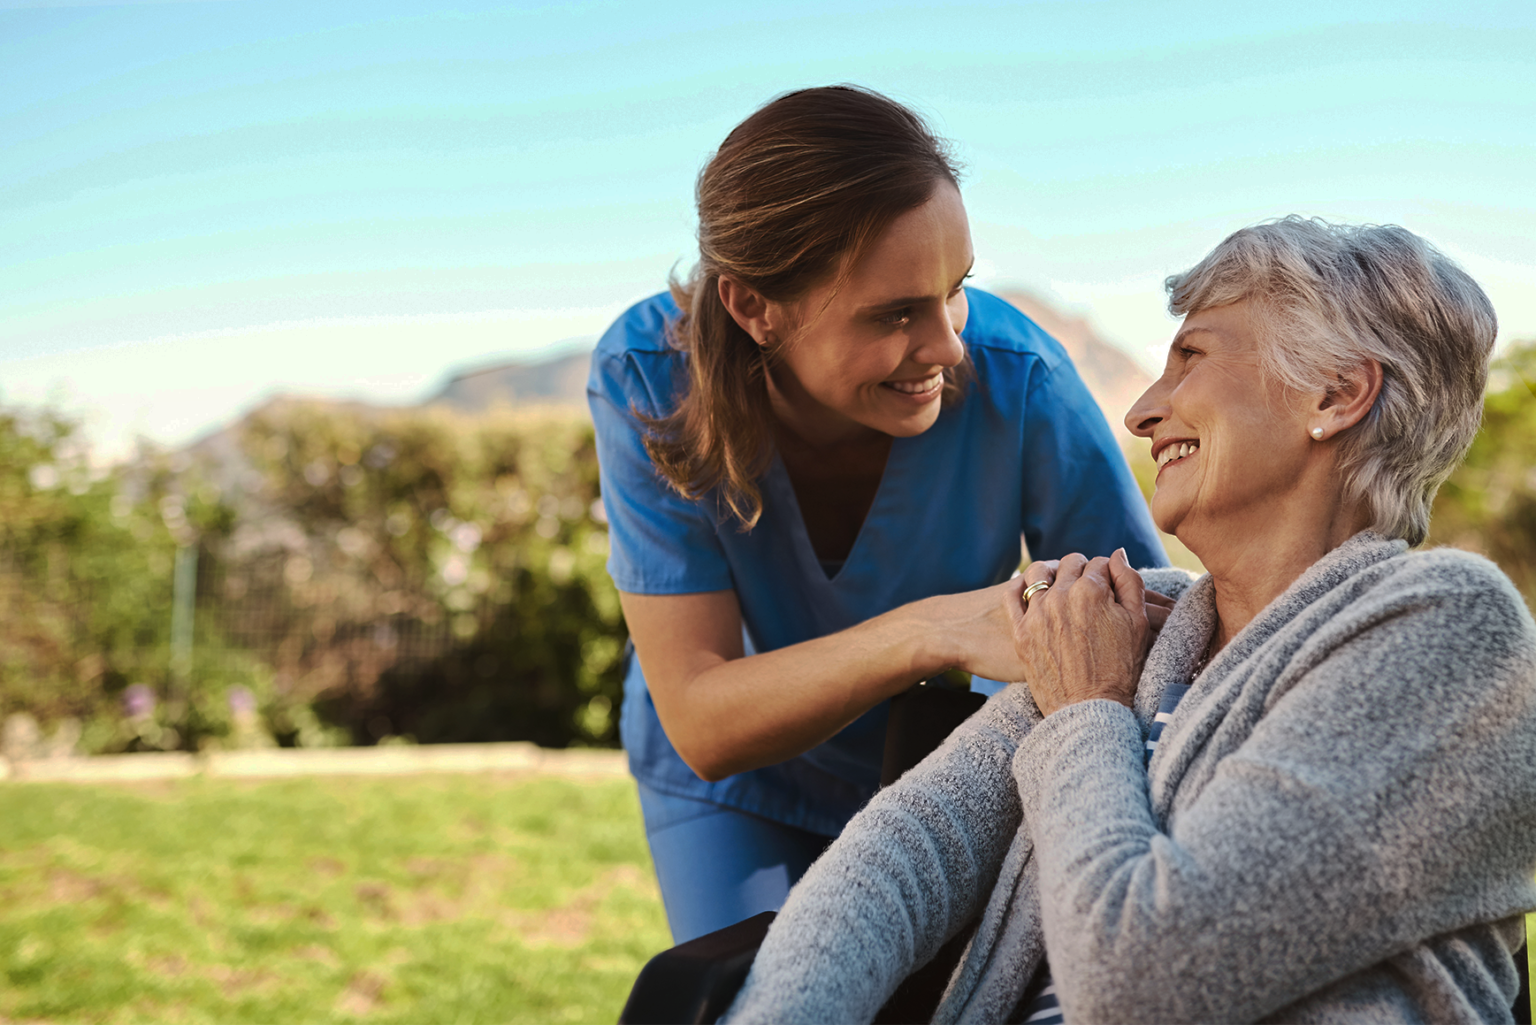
x=234 y=981
x=470 y=827
x=559 y=927
x=364 y=993
x=376 y=898
x=328 y=867
x=66 y=886
x=316 y=954
x=172 y=966
x=632 y=877
x=453 y=889
x=570 y=924
x=429 y=868
x=201 y=912
x=316 y=914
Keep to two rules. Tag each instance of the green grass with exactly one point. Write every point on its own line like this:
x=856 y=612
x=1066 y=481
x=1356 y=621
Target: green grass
x=417 y=899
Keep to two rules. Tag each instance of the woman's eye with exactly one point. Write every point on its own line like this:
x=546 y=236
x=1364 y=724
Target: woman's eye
x=896 y=318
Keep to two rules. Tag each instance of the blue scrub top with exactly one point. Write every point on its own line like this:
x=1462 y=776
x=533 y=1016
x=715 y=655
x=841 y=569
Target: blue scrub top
x=1026 y=454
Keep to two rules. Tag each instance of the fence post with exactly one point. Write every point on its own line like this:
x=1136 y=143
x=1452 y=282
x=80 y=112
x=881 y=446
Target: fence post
x=183 y=605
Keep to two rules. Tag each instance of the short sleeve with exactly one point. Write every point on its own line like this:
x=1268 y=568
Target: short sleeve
x=659 y=542
x=1079 y=495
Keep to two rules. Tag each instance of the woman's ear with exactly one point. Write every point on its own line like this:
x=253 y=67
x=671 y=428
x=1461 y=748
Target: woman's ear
x=752 y=313
x=1346 y=403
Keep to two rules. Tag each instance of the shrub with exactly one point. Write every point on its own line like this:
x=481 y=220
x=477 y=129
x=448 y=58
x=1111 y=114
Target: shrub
x=1489 y=504
x=395 y=571
x=427 y=574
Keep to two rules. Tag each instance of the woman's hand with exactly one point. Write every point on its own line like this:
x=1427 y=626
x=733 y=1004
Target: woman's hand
x=975 y=630
x=1086 y=636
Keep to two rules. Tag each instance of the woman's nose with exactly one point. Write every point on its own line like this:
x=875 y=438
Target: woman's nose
x=940 y=346
x=1147 y=412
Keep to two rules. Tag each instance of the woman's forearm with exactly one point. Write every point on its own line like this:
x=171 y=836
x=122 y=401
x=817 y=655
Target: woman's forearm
x=910 y=870
x=749 y=712
x=726 y=714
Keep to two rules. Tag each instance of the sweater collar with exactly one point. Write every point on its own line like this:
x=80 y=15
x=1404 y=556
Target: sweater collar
x=1191 y=624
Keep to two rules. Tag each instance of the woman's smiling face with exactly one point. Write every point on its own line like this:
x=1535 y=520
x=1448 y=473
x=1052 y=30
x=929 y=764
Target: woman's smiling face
x=867 y=353
x=1230 y=443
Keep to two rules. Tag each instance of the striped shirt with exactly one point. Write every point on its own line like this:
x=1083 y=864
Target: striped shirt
x=1040 y=1006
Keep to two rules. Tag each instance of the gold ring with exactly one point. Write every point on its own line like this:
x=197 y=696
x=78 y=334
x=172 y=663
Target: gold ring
x=1034 y=589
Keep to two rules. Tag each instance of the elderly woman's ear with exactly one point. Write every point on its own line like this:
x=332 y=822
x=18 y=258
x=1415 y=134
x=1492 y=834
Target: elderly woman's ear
x=1345 y=404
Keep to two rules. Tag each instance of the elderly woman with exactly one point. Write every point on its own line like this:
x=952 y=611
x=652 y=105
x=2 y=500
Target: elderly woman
x=1314 y=797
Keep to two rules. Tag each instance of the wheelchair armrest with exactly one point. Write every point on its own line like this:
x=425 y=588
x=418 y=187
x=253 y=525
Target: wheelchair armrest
x=695 y=982
x=920 y=719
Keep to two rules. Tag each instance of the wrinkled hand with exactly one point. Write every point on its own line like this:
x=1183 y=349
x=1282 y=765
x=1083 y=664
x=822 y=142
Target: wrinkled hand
x=1087 y=635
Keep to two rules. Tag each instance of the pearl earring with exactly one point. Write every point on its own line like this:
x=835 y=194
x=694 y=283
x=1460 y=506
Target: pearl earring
x=1317 y=434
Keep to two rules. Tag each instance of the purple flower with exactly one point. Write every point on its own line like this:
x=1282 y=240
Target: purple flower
x=241 y=702
x=139 y=701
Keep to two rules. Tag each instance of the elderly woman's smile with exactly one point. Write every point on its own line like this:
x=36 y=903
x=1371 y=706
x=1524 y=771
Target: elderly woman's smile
x=1234 y=457
x=1174 y=450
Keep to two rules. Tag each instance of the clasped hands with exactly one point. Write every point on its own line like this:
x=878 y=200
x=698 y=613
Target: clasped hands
x=1087 y=635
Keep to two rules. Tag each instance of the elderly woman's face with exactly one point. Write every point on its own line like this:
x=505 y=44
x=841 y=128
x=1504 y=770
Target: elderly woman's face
x=1229 y=443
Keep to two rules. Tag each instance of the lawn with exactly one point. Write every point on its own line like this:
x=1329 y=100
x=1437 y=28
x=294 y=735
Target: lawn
x=416 y=899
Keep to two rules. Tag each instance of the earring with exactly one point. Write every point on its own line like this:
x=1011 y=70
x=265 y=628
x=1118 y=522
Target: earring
x=1317 y=434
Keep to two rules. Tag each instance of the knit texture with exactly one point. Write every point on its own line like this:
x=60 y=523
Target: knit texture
x=1339 y=823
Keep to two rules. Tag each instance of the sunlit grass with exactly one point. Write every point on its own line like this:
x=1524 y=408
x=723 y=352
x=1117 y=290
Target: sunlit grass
x=421 y=899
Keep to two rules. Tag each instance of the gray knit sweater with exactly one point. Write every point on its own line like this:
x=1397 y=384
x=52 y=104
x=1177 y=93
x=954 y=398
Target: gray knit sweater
x=1339 y=824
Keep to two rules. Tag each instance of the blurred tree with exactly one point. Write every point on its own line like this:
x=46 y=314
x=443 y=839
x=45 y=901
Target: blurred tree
x=432 y=575
x=1489 y=504
x=86 y=556
x=405 y=572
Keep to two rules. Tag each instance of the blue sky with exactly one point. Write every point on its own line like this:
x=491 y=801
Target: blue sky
x=204 y=203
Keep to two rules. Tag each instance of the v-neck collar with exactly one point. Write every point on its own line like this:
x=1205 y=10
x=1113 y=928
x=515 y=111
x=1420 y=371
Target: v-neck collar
x=886 y=503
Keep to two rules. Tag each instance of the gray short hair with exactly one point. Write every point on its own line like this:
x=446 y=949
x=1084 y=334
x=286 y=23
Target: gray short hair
x=1332 y=296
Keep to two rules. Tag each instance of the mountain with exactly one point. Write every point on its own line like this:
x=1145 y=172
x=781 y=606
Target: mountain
x=1113 y=378
x=556 y=381
x=560 y=381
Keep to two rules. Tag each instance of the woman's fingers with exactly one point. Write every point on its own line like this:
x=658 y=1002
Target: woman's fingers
x=1045 y=571
x=1094 y=585
x=1130 y=591
x=1068 y=569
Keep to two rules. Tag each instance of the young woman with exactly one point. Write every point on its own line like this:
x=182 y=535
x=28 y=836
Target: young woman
x=819 y=457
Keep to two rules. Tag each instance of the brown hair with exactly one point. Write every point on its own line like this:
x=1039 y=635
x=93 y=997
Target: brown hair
x=796 y=192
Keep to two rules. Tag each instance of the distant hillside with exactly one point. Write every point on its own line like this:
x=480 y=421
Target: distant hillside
x=560 y=381
x=1112 y=377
